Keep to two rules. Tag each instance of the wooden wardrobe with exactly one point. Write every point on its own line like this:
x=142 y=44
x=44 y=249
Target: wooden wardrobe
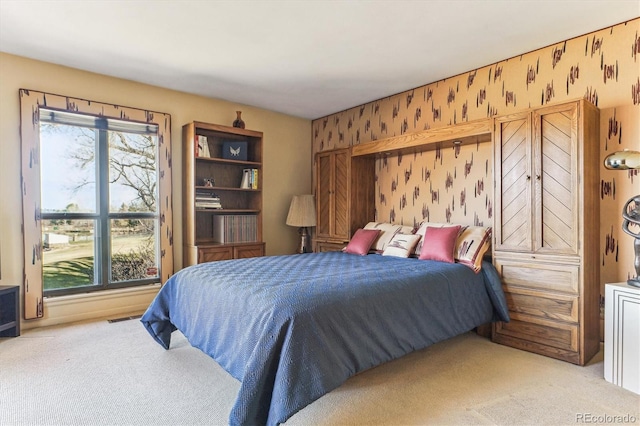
x=344 y=197
x=546 y=229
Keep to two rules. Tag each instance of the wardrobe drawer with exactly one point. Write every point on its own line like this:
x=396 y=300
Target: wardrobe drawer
x=541 y=332
x=323 y=246
x=542 y=305
x=542 y=276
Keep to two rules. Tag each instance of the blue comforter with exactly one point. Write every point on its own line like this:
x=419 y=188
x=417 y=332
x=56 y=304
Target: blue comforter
x=292 y=328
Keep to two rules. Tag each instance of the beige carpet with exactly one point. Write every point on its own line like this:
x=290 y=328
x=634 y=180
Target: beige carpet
x=100 y=373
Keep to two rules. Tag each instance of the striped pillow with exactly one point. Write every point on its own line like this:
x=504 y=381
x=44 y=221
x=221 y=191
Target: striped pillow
x=401 y=245
x=387 y=231
x=471 y=245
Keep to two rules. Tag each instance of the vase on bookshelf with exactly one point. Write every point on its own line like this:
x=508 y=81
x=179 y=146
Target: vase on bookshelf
x=238 y=121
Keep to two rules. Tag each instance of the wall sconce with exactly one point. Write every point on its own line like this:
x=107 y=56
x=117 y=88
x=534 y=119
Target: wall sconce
x=302 y=213
x=625 y=160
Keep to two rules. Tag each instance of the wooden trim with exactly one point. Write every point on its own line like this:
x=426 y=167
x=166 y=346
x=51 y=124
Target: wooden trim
x=472 y=132
x=226 y=129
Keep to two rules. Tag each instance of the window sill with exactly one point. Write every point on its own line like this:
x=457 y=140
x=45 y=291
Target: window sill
x=95 y=305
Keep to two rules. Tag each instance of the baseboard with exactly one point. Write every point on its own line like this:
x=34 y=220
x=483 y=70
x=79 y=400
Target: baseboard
x=96 y=305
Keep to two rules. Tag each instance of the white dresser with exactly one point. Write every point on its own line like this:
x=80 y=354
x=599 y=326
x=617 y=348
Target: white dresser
x=622 y=336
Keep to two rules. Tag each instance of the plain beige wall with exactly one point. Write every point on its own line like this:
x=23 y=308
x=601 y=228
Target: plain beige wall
x=286 y=150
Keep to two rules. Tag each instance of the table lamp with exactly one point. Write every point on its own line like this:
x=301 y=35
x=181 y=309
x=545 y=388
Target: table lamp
x=302 y=213
x=625 y=160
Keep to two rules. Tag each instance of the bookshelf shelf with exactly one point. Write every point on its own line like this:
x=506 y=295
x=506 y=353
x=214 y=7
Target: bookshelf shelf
x=211 y=172
x=225 y=161
x=228 y=211
x=224 y=188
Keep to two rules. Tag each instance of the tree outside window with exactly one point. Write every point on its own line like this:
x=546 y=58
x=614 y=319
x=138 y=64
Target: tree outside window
x=100 y=219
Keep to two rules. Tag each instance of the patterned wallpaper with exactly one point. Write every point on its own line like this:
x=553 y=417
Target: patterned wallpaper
x=455 y=185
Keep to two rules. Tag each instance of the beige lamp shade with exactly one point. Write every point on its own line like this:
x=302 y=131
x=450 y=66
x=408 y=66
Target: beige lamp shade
x=302 y=212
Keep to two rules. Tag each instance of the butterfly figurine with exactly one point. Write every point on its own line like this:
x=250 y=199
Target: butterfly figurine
x=235 y=152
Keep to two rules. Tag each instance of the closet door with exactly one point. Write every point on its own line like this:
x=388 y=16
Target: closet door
x=555 y=180
x=513 y=197
x=332 y=194
x=341 y=195
x=324 y=182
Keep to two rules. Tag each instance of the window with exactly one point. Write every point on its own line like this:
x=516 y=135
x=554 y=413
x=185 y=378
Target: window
x=99 y=206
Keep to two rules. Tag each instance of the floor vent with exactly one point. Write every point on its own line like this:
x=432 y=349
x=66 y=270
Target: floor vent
x=124 y=318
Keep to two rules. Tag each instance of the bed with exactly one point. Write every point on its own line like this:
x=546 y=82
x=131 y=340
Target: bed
x=292 y=328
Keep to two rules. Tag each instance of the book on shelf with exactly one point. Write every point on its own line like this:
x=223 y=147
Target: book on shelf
x=202 y=146
x=206 y=194
x=235 y=228
x=208 y=205
x=207 y=200
x=249 y=179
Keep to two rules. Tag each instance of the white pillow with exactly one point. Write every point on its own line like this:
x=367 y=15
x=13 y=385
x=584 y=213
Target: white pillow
x=401 y=245
x=387 y=231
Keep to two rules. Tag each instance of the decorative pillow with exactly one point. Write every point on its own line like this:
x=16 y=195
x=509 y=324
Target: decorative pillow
x=422 y=229
x=471 y=245
x=361 y=241
x=401 y=245
x=438 y=243
x=387 y=231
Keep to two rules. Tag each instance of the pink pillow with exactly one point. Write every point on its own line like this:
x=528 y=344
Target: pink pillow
x=438 y=243
x=361 y=241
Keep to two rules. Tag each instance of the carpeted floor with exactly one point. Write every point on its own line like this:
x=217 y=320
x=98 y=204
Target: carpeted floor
x=101 y=373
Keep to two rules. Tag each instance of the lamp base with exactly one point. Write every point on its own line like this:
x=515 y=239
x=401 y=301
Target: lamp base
x=304 y=241
x=631 y=215
x=634 y=282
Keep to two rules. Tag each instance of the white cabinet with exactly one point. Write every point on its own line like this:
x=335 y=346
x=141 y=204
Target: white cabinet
x=622 y=336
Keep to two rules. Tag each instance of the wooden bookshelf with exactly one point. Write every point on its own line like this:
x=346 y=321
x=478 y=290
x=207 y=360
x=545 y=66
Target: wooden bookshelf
x=225 y=175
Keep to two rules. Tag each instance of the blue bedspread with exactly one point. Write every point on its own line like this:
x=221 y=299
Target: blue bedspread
x=292 y=328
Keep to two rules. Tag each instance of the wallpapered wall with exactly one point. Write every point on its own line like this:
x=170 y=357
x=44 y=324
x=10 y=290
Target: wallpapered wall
x=455 y=185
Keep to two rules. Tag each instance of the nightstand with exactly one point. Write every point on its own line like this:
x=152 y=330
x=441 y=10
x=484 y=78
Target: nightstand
x=622 y=336
x=9 y=311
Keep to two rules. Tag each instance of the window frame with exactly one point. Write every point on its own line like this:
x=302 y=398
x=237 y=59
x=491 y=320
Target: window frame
x=103 y=216
x=30 y=103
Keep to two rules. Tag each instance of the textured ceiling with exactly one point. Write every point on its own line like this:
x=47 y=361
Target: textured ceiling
x=303 y=58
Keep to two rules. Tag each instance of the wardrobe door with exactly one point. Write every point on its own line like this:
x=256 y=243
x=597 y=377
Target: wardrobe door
x=555 y=180
x=341 y=195
x=513 y=197
x=332 y=192
x=324 y=182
